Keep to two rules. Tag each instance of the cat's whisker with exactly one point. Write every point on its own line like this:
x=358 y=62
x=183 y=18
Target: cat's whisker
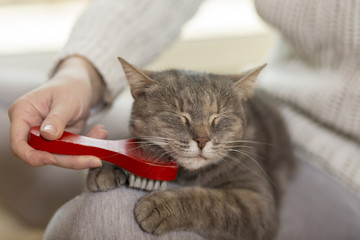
x=154 y=137
x=249 y=142
x=158 y=158
x=147 y=141
x=247 y=154
x=255 y=155
x=257 y=164
x=129 y=138
x=142 y=145
x=238 y=146
x=234 y=160
x=156 y=155
x=244 y=148
x=182 y=145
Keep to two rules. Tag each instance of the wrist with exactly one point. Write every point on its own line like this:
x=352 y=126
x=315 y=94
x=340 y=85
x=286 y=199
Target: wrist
x=85 y=71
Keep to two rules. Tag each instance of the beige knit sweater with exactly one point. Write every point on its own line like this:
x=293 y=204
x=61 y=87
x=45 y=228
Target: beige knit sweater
x=314 y=71
x=135 y=30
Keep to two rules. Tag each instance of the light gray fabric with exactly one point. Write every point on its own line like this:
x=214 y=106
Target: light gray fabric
x=103 y=216
x=315 y=208
x=318 y=207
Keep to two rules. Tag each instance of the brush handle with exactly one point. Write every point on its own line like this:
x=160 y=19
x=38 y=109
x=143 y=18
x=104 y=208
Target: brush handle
x=123 y=153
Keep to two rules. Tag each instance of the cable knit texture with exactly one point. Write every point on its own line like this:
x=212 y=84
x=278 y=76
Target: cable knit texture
x=315 y=70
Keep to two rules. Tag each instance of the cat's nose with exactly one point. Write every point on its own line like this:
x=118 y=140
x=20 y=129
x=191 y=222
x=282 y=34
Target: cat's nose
x=201 y=141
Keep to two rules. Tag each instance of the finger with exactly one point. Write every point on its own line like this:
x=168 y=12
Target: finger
x=76 y=127
x=98 y=131
x=77 y=162
x=33 y=157
x=21 y=149
x=55 y=122
x=39 y=158
x=82 y=162
x=20 y=125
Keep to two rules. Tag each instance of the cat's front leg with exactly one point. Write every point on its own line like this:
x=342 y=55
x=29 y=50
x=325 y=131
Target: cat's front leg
x=214 y=214
x=159 y=212
x=105 y=178
x=164 y=211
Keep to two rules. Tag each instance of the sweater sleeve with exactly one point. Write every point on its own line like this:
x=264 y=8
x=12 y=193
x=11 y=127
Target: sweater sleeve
x=135 y=30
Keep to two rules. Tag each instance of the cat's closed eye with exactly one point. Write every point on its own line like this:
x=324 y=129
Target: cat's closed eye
x=185 y=118
x=214 y=119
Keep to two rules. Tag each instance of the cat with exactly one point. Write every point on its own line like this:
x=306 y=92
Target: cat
x=232 y=148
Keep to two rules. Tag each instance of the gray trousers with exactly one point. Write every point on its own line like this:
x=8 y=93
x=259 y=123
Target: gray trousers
x=314 y=208
x=106 y=215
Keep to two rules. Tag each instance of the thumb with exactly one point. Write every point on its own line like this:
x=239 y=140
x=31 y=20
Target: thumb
x=55 y=122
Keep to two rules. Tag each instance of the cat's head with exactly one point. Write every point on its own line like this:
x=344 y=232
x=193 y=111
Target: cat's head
x=195 y=117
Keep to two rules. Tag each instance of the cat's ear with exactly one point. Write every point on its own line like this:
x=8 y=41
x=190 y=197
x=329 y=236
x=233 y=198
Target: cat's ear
x=137 y=79
x=246 y=81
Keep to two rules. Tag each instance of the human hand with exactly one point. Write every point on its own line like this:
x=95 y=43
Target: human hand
x=62 y=102
x=76 y=162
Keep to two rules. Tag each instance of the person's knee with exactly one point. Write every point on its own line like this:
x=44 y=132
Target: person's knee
x=96 y=215
x=65 y=221
x=107 y=215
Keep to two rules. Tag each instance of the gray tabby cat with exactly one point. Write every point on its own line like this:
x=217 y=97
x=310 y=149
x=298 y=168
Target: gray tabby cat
x=233 y=153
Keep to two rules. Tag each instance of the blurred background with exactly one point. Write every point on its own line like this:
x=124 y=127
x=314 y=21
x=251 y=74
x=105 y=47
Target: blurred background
x=31 y=31
x=222 y=28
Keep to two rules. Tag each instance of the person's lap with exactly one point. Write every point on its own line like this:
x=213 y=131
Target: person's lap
x=103 y=215
x=312 y=209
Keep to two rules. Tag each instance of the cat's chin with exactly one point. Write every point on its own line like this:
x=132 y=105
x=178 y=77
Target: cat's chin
x=193 y=163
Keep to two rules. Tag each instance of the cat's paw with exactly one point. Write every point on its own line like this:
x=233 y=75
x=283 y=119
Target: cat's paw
x=157 y=212
x=105 y=178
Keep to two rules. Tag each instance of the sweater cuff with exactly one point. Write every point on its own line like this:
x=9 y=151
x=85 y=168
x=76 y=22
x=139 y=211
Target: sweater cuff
x=106 y=69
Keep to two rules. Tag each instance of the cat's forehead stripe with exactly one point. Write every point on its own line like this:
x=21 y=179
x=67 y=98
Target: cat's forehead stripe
x=196 y=93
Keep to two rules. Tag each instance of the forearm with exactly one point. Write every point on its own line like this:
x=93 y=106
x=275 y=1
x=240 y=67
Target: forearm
x=134 y=30
x=85 y=71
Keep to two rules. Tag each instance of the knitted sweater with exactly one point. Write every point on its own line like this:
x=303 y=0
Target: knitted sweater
x=313 y=71
x=135 y=30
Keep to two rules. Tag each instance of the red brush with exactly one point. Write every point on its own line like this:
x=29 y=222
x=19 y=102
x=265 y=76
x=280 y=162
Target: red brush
x=151 y=174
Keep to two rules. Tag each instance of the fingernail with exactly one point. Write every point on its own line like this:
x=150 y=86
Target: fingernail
x=101 y=135
x=50 y=129
x=49 y=161
x=94 y=163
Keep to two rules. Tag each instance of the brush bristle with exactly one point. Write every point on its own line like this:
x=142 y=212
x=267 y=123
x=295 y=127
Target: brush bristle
x=146 y=184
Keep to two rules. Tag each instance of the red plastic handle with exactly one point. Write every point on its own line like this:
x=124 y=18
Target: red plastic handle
x=123 y=153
